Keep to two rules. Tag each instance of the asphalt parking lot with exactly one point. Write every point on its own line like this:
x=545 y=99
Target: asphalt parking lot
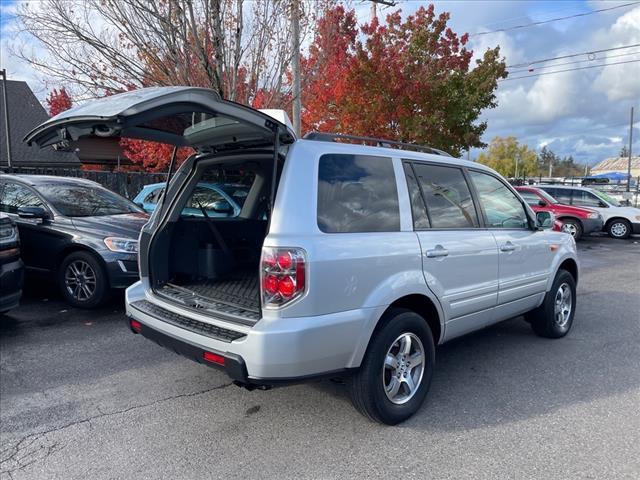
x=81 y=397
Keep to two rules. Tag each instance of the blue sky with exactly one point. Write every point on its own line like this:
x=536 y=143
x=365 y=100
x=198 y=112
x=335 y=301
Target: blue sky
x=583 y=113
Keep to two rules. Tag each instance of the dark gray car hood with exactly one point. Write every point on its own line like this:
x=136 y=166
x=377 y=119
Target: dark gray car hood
x=126 y=225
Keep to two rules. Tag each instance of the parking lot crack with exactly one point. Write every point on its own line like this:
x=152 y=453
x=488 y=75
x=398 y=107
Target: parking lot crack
x=30 y=449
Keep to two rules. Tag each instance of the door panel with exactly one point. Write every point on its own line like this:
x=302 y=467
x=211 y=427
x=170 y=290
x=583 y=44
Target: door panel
x=459 y=259
x=524 y=259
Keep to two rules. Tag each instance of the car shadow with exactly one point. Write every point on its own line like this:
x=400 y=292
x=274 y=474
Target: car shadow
x=505 y=373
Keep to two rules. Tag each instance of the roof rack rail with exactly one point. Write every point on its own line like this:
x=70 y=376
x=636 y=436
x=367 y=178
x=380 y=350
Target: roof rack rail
x=379 y=142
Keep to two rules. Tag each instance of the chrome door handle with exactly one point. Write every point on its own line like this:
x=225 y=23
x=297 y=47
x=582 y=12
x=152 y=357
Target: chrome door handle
x=507 y=247
x=439 y=251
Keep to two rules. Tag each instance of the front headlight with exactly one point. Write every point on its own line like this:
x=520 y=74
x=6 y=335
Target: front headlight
x=594 y=215
x=8 y=233
x=122 y=245
x=637 y=217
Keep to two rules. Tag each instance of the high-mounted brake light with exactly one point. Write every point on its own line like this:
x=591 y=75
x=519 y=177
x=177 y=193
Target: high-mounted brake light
x=282 y=275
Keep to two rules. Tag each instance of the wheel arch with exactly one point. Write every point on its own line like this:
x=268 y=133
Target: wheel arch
x=426 y=308
x=571 y=217
x=613 y=219
x=75 y=247
x=571 y=266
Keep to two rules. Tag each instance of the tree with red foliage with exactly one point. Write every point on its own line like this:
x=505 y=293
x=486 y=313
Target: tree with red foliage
x=406 y=80
x=58 y=101
x=153 y=156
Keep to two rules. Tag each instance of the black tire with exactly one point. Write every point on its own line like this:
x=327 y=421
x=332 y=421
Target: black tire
x=544 y=320
x=619 y=228
x=574 y=227
x=91 y=274
x=366 y=386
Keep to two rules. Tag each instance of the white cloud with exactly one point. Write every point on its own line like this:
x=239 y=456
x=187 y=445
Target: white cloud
x=620 y=82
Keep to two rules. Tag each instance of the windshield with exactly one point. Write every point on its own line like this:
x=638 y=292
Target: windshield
x=607 y=198
x=86 y=201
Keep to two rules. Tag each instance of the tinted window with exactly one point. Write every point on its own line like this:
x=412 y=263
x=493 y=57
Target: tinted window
x=501 y=206
x=562 y=195
x=357 y=193
x=418 y=209
x=447 y=195
x=85 y=200
x=582 y=198
x=238 y=193
x=14 y=196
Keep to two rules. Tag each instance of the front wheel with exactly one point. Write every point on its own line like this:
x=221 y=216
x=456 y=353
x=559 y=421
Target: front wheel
x=619 y=228
x=83 y=281
x=395 y=375
x=572 y=227
x=553 y=319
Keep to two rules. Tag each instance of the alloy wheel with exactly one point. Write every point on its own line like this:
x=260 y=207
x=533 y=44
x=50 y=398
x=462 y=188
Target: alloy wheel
x=569 y=228
x=80 y=280
x=563 y=305
x=403 y=368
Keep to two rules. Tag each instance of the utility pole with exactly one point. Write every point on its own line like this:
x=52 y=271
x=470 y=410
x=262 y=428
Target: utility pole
x=516 y=173
x=630 y=142
x=550 y=167
x=3 y=73
x=295 y=64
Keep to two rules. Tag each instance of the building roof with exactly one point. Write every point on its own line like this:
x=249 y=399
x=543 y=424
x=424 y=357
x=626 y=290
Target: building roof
x=616 y=164
x=25 y=112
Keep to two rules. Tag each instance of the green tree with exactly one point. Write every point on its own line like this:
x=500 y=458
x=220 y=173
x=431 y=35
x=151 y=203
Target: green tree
x=505 y=152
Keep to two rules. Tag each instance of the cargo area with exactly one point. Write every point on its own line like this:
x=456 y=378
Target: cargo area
x=207 y=255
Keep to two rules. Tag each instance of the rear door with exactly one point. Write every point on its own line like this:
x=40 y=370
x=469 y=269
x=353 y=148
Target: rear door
x=525 y=258
x=181 y=116
x=459 y=258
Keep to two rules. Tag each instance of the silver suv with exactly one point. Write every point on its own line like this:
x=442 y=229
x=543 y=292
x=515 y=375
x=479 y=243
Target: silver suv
x=345 y=260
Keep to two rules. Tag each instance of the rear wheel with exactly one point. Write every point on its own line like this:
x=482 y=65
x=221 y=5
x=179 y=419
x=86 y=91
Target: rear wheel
x=619 y=228
x=395 y=375
x=572 y=227
x=83 y=281
x=553 y=319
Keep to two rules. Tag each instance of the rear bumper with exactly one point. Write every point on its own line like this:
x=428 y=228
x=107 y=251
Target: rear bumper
x=590 y=225
x=272 y=351
x=11 y=279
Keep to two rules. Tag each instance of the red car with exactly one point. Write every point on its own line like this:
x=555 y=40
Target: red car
x=576 y=221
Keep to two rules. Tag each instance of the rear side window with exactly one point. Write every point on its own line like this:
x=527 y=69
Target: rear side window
x=562 y=195
x=418 y=209
x=357 y=193
x=447 y=195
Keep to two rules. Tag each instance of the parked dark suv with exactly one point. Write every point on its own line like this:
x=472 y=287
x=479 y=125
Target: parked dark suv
x=81 y=233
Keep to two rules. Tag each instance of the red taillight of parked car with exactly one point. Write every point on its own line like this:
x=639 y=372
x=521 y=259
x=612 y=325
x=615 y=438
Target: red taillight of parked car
x=282 y=275
x=213 y=358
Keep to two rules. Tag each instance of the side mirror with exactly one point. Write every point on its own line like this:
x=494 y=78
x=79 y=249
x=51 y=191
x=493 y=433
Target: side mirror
x=140 y=204
x=542 y=203
x=222 y=206
x=33 y=213
x=544 y=220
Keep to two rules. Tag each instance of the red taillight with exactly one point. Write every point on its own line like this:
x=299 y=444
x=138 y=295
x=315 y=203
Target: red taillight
x=135 y=326
x=213 y=358
x=283 y=274
x=286 y=287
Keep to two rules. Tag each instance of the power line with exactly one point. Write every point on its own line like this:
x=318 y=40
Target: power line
x=574 y=62
x=542 y=22
x=589 y=52
x=568 y=70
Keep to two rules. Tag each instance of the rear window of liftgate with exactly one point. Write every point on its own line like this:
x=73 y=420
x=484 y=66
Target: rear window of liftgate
x=357 y=193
